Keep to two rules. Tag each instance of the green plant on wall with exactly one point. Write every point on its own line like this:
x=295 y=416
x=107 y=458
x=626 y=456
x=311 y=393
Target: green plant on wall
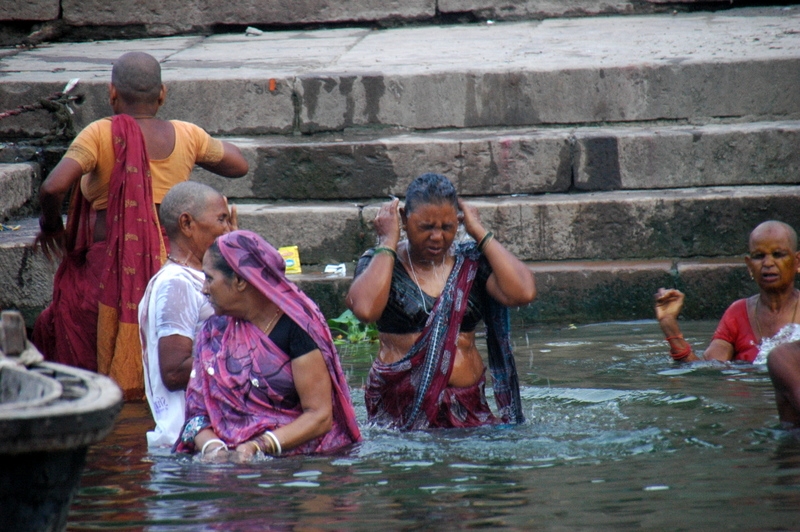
x=348 y=329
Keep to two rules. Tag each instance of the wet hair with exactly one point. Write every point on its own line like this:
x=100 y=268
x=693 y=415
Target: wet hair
x=187 y=197
x=430 y=189
x=219 y=262
x=137 y=77
x=769 y=224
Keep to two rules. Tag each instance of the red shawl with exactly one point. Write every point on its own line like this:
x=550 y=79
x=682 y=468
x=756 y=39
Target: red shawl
x=134 y=253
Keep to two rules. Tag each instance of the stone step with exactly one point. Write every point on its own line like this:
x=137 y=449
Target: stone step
x=687 y=67
x=622 y=225
x=593 y=291
x=481 y=162
x=19 y=183
x=569 y=291
x=678 y=223
x=172 y=16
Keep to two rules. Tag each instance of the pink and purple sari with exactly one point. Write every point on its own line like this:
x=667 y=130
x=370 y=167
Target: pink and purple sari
x=242 y=383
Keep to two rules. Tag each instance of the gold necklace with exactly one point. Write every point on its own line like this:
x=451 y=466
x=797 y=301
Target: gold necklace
x=176 y=261
x=266 y=329
x=755 y=314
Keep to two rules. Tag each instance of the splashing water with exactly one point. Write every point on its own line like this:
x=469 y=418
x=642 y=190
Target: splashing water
x=790 y=333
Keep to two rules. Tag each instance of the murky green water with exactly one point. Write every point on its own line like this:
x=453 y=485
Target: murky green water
x=617 y=438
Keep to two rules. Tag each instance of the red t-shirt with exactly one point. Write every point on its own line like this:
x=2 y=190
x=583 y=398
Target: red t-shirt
x=735 y=328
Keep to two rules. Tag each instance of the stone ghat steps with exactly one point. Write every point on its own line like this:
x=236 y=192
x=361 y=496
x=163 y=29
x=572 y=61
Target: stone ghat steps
x=366 y=164
x=356 y=165
x=619 y=225
x=687 y=68
x=174 y=16
x=569 y=291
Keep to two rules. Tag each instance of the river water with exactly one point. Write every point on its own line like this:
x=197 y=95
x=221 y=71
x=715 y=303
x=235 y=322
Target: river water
x=617 y=437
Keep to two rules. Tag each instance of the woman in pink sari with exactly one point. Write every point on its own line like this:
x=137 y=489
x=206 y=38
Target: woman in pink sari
x=266 y=375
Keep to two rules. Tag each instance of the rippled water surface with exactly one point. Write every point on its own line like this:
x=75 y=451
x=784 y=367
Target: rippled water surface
x=617 y=437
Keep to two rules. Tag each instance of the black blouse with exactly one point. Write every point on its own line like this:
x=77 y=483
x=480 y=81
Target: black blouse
x=405 y=312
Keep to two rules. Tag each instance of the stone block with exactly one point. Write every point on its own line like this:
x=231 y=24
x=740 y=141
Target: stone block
x=17 y=181
x=575 y=292
x=687 y=156
x=683 y=68
x=198 y=13
x=29 y=10
x=536 y=9
x=324 y=233
x=541 y=9
x=25 y=274
x=357 y=166
x=712 y=285
x=327 y=292
x=681 y=223
x=569 y=291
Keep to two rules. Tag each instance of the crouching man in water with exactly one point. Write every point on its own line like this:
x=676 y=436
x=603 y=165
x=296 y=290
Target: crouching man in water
x=763 y=327
x=173 y=307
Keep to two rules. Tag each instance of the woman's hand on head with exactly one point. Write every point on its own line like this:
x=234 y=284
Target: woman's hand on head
x=471 y=219
x=669 y=303
x=233 y=218
x=387 y=224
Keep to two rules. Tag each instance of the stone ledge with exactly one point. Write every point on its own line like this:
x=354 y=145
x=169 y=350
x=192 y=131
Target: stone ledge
x=626 y=225
x=652 y=157
x=480 y=162
x=30 y=10
x=172 y=16
x=569 y=291
x=185 y=15
x=713 y=221
x=17 y=183
x=511 y=74
x=540 y=9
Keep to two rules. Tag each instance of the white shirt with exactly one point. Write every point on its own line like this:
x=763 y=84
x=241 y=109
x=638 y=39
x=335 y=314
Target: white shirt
x=172 y=304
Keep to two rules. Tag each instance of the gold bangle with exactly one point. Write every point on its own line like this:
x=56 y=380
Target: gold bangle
x=275 y=444
x=270 y=449
x=258 y=447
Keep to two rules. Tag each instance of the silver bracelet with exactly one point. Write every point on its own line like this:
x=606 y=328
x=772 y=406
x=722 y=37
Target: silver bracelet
x=271 y=436
x=212 y=440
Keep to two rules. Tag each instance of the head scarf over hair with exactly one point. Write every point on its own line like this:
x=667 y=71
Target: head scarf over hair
x=260 y=264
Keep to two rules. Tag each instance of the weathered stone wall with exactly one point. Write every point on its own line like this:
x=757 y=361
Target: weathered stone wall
x=174 y=16
x=29 y=10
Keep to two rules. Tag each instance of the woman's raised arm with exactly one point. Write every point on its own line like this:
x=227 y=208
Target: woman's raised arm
x=369 y=292
x=511 y=282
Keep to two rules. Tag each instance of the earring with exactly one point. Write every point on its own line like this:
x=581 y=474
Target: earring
x=751 y=275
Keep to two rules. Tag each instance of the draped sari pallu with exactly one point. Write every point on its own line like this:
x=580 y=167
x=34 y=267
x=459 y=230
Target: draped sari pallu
x=93 y=320
x=413 y=393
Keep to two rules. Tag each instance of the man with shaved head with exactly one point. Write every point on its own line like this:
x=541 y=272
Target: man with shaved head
x=122 y=167
x=772 y=262
x=173 y=307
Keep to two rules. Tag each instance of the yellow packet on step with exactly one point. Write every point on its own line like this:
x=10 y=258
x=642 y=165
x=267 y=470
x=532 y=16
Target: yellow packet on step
x=291 y=256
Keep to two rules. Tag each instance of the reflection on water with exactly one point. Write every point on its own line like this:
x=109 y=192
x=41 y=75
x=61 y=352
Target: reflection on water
x=617 y=437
